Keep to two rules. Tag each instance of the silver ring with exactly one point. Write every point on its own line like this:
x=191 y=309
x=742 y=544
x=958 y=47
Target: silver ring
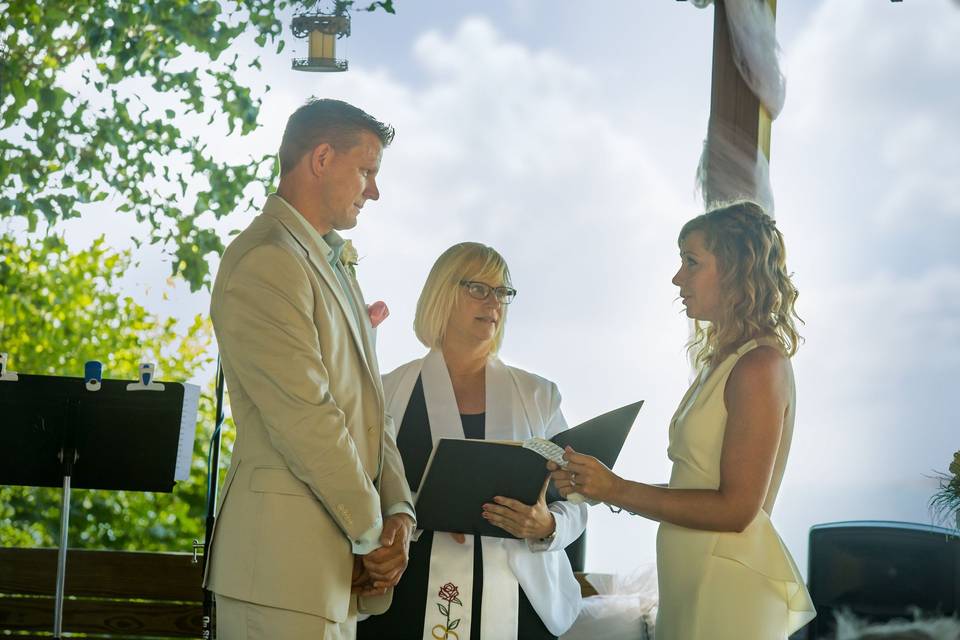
x=573 y=479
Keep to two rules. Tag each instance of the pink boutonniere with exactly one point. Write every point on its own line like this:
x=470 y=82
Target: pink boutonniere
x=378 y=312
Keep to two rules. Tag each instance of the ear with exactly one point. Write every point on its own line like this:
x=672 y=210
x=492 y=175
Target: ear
x=321 y=157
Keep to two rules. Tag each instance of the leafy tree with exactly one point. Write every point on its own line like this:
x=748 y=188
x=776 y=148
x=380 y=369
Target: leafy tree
x=61 y=149
x=57 y=311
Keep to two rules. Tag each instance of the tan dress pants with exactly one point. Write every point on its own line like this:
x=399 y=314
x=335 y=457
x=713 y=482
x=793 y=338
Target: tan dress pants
x=239 y=620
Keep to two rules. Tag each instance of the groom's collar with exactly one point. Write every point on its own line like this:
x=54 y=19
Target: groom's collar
x=319 y=253
x=329 y=246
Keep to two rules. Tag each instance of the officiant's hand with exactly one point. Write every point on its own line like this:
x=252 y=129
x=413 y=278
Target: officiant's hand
x=532 y=521
x=386 y=564
x=584 y=475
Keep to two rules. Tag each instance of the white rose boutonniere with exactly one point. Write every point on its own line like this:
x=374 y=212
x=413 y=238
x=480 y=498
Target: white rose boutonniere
x=349 y=257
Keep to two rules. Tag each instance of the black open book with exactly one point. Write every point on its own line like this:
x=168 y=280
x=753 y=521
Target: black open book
x=463 y=474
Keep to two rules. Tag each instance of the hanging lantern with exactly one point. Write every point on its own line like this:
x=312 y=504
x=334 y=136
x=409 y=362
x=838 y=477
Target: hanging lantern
x=322 y=32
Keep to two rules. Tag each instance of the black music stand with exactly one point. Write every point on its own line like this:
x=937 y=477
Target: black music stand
x=57 y=433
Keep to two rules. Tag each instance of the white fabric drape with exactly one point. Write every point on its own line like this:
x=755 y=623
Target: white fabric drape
x=743 y=170
x=755 y=49
x=738 y=169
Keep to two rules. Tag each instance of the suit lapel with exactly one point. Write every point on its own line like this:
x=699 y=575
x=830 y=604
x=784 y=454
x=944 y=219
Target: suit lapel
x=366 y=329
x=296 y=226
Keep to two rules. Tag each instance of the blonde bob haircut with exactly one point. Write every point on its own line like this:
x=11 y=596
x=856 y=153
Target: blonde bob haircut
x=441 y=291
x=757 y=295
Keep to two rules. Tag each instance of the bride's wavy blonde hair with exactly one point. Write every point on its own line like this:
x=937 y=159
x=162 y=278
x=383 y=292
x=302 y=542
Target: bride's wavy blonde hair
x=757 y=296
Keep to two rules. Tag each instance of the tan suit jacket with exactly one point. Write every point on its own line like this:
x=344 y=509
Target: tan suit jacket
x=315 y=463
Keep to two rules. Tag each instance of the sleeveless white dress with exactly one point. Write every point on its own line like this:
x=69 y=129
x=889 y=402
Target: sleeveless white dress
x=720 y=585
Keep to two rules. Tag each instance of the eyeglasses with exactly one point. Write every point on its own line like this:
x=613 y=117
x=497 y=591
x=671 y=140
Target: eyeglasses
x=481 y=291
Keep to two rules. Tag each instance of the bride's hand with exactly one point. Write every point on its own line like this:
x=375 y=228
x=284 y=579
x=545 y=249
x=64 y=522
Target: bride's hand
x=584 y=475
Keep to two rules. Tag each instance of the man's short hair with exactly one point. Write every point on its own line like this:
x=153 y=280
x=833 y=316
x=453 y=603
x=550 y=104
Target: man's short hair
x=335 y=122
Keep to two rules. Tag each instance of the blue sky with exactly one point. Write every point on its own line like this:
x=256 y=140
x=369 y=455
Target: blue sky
x=568 y=139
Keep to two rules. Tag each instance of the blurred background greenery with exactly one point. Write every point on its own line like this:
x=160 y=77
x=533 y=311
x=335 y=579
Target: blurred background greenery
x=100 y=102
x=60 y=309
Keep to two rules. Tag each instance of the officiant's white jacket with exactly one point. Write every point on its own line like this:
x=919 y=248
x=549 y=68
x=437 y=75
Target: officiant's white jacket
x=519 y=405
x=313 y=467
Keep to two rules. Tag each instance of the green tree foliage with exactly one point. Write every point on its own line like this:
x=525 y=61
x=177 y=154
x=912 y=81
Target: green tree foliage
x=79 y=85
x=57 y=311
x=62 y=148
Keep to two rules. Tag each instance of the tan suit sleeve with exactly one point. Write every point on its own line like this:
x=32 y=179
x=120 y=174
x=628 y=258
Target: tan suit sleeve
x=393 y=491
x=393 y=478
x=266 y=328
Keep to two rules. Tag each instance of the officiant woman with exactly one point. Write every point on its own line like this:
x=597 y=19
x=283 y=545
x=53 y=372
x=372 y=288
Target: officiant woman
x=497 y=588
x=723 y=570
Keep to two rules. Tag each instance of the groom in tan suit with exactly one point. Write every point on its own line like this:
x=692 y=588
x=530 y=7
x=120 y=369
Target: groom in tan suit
x=315 y=515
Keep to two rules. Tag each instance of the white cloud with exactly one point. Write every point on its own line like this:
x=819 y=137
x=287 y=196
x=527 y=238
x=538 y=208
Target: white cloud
x=879 y=83
x=541 y=170
x=514 y=147
x=583 y=189
x=864 y=167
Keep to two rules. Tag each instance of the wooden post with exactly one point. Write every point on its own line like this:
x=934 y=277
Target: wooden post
x=739 y=124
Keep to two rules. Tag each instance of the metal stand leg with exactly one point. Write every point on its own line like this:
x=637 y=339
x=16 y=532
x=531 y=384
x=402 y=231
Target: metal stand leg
x=213 y=466
x=62 y=558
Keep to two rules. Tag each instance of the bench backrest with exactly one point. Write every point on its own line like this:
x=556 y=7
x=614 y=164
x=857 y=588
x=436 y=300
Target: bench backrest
x=108 y=593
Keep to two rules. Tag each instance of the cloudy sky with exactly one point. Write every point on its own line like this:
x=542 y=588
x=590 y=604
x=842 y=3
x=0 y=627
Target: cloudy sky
x=568 y=140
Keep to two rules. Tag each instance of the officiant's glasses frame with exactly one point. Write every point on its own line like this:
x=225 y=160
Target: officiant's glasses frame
x=482 y=291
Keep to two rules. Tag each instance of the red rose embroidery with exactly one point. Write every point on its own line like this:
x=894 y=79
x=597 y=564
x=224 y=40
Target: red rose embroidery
x=449 y=592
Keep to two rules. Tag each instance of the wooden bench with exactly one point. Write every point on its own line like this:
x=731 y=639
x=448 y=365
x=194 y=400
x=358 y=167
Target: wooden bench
x=109 y=594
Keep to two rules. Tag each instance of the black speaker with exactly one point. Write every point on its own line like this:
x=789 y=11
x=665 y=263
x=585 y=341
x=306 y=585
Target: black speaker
x=882 y=570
